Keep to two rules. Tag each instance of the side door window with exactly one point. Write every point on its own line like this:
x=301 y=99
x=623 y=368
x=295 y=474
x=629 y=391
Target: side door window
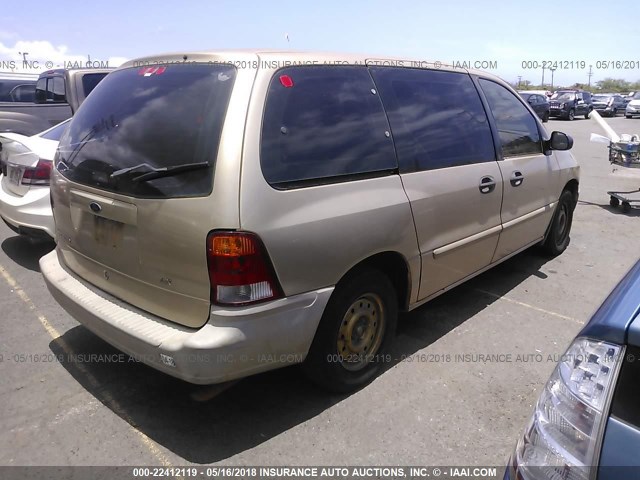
x=437 y=118
x=50 y=89
x=58 y=90
x=517 y=128
x=322 y=124
x=41 y=90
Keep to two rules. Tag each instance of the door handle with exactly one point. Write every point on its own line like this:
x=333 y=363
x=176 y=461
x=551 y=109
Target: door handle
x=487 y=184
x=517 y=179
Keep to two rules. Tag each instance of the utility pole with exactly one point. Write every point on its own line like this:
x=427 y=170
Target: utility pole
x=552 y=70
x=590 y=74
x=519 y=80
x=543 y=76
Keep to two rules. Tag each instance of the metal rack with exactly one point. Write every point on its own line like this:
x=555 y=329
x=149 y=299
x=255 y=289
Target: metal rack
x=625 y=153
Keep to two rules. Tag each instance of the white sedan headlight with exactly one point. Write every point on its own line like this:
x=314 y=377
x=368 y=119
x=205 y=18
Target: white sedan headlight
x=563 y=437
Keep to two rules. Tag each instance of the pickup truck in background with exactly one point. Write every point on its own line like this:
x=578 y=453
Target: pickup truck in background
x=58 y=94
x=17 y=87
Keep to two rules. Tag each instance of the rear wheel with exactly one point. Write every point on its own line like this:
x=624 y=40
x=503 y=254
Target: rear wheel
x=545 y=117
x=586 y=115
x=571 y=115
x=614 y=202
x=352 y=342
x=627 y=116
x=558 y=239
x=626 y=207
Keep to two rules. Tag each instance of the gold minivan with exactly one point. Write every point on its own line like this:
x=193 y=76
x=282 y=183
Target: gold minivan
x=226 y=213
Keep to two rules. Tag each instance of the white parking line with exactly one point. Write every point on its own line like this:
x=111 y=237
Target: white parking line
x=93 y=381
x=533 y=307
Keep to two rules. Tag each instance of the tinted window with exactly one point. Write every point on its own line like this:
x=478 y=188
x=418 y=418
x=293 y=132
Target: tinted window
x=517 y=128
x=58 y=89
x=41 y=90
x=323 y=122
x=149 y=118
x=50 y=89
x=16 y=90
x=23 y=93
x=436 y=117
x=90 y=80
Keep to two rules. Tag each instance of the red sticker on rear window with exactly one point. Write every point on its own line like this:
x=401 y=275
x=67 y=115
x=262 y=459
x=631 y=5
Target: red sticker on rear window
x=148 y=71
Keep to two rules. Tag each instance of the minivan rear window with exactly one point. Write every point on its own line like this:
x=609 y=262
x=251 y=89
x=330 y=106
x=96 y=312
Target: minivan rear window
x=140 y=120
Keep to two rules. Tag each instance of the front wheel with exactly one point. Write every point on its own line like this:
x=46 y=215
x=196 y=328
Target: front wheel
x=627 y=116
x=355 y=333
x=571 y=115
x=558 y=239
x=586 y=115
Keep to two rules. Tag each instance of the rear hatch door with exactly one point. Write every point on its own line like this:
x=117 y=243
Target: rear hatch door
x=133 y=184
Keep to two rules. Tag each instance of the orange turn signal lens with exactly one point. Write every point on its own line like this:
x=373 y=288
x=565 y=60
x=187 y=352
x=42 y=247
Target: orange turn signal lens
x=232 y=246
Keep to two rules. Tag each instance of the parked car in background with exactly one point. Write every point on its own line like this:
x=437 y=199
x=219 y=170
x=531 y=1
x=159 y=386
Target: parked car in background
x=586 y=423
x=569 y=104
x=26 y=164
x=217 y=222
x=633 y=107
x=17 y=87
x=544 y=93
x=608 y=104
x=538 y=103
x=58 y=94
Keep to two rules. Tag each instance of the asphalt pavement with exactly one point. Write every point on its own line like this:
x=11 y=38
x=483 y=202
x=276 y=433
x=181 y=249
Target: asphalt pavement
x=469 y=367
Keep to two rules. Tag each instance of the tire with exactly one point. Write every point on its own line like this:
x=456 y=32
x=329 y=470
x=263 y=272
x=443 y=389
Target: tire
x=614 y=113
x=614 y=202
x=626 y=207
x=586 y=115
x=628 y=116
x=343 y=357
x=571 y=115
x=558 y=238
x=545 y=118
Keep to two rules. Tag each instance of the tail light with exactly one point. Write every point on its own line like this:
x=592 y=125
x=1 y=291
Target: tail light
x=240 y=270
x=38 y=175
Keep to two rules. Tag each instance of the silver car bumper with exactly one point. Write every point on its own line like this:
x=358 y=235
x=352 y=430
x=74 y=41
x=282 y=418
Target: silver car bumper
x=234 y=343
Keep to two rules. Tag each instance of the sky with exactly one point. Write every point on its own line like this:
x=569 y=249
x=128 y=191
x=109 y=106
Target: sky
x=505 y=38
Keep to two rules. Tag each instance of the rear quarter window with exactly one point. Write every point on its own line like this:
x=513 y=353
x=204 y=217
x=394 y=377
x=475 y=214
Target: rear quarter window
x=323 y=124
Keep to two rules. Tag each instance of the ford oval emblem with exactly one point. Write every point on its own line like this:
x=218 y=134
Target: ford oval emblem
x=95 y=207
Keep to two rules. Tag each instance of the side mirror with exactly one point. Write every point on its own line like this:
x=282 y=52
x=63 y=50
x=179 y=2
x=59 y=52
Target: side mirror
x=530 y=101
x=559 y=141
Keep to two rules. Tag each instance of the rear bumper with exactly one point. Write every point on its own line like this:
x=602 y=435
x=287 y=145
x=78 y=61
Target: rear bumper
x=29 y=214
x=234 y=343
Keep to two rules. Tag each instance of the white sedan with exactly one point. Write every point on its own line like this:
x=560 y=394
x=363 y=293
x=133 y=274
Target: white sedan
x=24 y=184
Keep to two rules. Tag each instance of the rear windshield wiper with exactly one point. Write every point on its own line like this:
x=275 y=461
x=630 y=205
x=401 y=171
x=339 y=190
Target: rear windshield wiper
x=158 y=172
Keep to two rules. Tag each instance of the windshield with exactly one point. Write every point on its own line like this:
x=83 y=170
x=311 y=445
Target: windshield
x=164 y=116
x=563 y=96
x=602 y=98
